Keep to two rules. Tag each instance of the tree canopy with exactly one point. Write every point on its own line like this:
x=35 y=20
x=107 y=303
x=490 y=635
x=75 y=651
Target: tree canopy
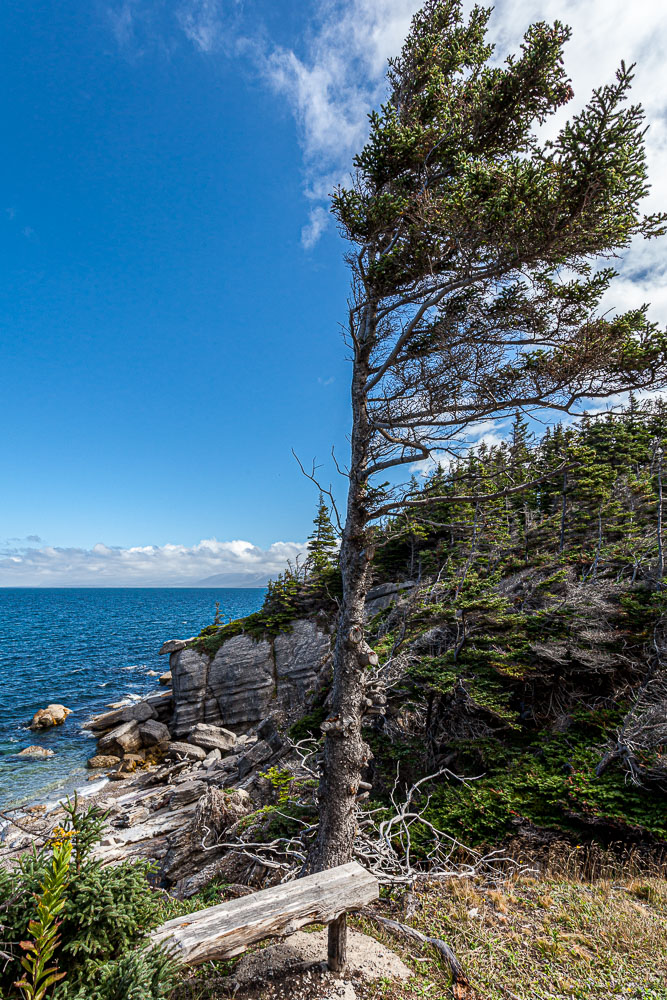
x=477 y=288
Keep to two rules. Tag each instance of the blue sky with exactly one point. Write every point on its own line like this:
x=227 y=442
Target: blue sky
x=170 y=289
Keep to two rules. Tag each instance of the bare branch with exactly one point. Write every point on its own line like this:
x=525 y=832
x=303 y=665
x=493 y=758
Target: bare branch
x=473 y=499
x=323 y=489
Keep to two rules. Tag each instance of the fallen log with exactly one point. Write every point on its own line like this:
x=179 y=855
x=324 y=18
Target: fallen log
x=230 y=928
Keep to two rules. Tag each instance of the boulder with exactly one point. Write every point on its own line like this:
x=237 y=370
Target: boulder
x=103 y=760
x=130 y=762
x=165 y=679
x=141 y=711
x=188 y=750
x=125 y=738
x=52 y=715
x=212 y=758
x=212 y=737
x=267 y=730
x=188 y=792
x=162 y=702
x=254 y=757
x=106 y=721
x=34 y=751
x=153 y=732
x=228 y=764
x=246 y=740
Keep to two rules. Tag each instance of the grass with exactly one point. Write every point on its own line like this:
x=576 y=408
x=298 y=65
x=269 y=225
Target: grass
x=555 y=938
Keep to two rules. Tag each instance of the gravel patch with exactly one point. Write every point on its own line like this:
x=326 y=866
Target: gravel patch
x=366 y=958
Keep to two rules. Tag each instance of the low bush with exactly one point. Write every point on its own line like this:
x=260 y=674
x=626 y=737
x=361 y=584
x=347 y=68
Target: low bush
x=72 y=929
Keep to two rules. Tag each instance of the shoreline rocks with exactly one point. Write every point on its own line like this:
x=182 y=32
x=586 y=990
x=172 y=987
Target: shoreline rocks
x=216 y=701
x=121 y=740
x=192 y=757
x=153 y=732
x=35 y=751
x=175 y=811
x=212 y=737
x=52 y=715
x=102 y=760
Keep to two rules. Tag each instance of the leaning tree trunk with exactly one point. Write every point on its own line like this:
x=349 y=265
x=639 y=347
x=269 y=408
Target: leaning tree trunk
x=345 y=752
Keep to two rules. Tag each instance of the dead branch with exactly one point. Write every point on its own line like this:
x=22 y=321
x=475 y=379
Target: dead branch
x=323 y=489
x=443 y=949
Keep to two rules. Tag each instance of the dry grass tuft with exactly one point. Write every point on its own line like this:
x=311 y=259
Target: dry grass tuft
x=555 y=937
x=549 y=939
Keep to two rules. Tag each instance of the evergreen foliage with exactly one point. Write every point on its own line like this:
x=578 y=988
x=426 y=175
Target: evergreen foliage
x=540 y=620
x=475 y=252
x=89 y=920
x=322 y=543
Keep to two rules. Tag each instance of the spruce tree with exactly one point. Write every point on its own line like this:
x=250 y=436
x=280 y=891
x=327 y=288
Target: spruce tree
x=323 y=542
x=474 y=293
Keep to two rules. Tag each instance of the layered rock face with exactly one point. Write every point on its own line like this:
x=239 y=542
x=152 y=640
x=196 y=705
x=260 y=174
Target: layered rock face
x=248 y=680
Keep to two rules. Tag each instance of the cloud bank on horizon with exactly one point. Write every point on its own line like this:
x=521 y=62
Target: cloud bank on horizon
x=209 y=563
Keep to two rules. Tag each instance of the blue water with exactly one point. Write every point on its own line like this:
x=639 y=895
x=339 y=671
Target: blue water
x=85 y=648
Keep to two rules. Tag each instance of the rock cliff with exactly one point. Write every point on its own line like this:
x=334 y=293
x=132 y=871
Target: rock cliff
x=248 y=679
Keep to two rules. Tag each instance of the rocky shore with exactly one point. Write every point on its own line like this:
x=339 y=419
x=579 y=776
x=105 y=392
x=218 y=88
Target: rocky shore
x=183 y=769
x=189 y=761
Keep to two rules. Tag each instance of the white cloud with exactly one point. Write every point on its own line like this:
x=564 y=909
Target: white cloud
x=143 y=26
x=121 y=18
x=334 y=74
x=237 y=562
x=317 y=223
x=603 y=33
x=204 y=22
x=333 y=85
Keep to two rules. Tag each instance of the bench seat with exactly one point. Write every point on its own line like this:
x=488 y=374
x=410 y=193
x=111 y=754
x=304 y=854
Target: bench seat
x=230 y=928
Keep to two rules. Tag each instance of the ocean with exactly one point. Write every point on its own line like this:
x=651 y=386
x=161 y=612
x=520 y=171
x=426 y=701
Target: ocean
x=84 y=648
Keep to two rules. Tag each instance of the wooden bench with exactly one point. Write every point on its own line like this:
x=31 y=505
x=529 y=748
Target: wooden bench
x=229 y=928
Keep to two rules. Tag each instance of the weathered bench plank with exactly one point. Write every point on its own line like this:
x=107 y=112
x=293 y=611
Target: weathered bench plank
x=229 y=928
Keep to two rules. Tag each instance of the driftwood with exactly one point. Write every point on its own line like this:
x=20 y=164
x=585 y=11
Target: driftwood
x=230 y=928
x=404 y=930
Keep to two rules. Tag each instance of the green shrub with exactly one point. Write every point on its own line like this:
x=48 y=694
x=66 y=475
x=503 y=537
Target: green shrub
x=83 y=926
x=44 y=939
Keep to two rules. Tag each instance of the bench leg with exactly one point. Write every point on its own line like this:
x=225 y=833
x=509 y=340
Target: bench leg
x=337 y=949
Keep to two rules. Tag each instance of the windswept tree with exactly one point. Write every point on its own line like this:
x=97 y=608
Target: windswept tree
x=476 y=290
